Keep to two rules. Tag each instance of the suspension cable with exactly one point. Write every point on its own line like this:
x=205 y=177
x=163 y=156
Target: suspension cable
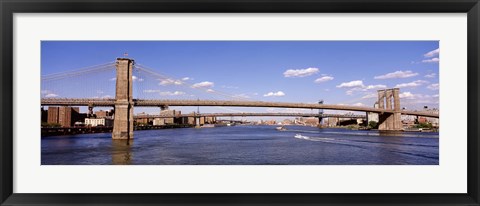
x=185 y=84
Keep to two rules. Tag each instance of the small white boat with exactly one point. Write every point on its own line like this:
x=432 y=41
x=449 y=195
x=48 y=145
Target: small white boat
x=282 y=128
x=207 y=126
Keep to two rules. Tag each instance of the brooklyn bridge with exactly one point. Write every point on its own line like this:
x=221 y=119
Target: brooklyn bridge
x=389 y=109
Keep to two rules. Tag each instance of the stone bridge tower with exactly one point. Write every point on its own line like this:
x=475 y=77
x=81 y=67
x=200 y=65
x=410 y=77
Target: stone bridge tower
x=389 y=121
x=123 y=122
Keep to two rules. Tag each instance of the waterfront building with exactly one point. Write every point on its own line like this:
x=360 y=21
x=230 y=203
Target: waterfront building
x=311 y=121
x=143 y=120
x=181 y=120
x=94 y=122
x=52 y=115
x=372 y=116
x=331 y=121
x=433 y=121
x=158 y=121
x=103 y=114
x=65 y=116
x=209 y=120
x=169 y=120
x=171 y=117
x=287 y=122
x=44 y=114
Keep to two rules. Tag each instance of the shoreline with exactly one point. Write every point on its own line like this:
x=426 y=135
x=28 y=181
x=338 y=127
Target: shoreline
x=60 y=131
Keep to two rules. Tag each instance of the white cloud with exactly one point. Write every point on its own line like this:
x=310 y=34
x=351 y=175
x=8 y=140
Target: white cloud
x=369 y=87
x=165 y=93
x=433 y=86
x=412 y=84
x=106 y=97
x=431 y=75
x=186 y=78
x=255 y=93
x=165 y=82
x=409 y=98
x=205 y=84
x=113 y=79
x=358 y=85
x=51 y=95
x=407 y=95
x=300 y=72
x=48 y=93
x=359 y=104
x=369 y=96
x=229 y=87
x=100 y=92
x=323 y=79
x=135 y=78
x=432 y=53
x=378 y=86
x=397 y=74
x=176 y=93
x=432 y=60
x=274 y=94
x=352 y=84
x=210 y=90
x=151 y=91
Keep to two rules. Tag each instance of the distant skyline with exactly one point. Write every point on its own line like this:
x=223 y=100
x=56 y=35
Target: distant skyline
x=338 y=72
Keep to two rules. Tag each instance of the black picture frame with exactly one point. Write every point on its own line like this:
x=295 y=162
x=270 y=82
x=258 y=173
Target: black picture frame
x=10 y=7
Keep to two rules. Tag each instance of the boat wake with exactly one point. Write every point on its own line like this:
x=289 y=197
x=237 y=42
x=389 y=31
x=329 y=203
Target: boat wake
x=299 y=136
x=368 y=145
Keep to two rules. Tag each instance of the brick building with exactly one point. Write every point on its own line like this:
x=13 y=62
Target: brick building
x=103 y=114
x=65 y=116
x=52 y=116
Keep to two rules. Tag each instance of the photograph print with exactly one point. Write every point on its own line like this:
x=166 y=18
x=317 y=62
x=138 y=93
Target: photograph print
x=240 y=102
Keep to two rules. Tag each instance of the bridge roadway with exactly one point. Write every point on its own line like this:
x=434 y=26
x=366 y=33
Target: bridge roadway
x=254 y=115
x=166 y=102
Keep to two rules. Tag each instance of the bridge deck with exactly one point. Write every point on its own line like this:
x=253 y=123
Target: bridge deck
x=254 y=114
x=159 y=103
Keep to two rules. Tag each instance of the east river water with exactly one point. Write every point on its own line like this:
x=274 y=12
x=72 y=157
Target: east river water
x=245 y=145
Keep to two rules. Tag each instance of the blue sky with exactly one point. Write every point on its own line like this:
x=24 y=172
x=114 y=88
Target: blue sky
x=339 y=72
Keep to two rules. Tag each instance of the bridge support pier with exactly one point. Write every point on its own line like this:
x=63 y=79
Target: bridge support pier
x=163 y=107
x=320 y=115
x=123 y=121
x=389 y=121
x=90 y=111
x=197 y=122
